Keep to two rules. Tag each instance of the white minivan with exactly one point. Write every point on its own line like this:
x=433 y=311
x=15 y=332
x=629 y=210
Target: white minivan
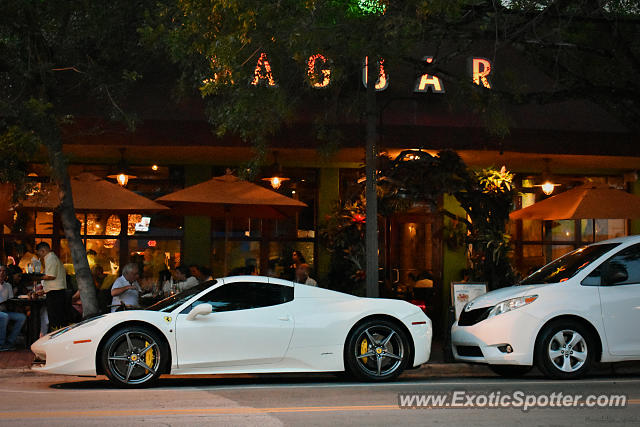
x=581 y=308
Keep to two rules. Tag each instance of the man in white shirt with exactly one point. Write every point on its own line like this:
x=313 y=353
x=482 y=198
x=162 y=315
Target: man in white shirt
x=126 y=288
x=302 y=275
x=55 y=284
x=18 y=319
x=184 y=279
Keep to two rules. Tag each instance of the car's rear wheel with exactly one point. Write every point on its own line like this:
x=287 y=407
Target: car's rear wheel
x=377 y=350
x=134 y=356
x=510 y=371
x=565 y=350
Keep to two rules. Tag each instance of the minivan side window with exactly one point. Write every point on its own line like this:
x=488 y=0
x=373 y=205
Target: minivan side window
x=244 y=296
x=624 y=267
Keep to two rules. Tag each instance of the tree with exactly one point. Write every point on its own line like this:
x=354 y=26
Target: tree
x=231 y=51
x=261 y=66
x=591 y=49
x=59 y=58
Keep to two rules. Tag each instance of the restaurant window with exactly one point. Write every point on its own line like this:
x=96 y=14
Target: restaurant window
x=103 y=252
x=243 y=257
x=110 y=238
x=280 y=262
x=538 y=242
x=154 y=256
x=265 y=246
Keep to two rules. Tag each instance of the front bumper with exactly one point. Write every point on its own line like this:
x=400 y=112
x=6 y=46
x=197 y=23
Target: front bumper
x=421 y=331
x=65 y=354
x=482 y=342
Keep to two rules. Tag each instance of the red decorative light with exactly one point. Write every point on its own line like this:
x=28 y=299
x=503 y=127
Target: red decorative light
x=383 y=80
x=315 y=80
x=262 y=72
x=480 y=69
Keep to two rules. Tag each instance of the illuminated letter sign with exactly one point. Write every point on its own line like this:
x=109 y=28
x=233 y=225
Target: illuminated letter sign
x=262 y=72
x=318 y=80
x=427 y=81
x=480 y=69
x=383 y=80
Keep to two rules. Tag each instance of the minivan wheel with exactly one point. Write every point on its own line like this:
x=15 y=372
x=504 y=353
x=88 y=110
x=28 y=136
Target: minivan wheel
x=565 y=350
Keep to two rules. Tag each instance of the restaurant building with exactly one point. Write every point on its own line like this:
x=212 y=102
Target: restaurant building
x=570 y=141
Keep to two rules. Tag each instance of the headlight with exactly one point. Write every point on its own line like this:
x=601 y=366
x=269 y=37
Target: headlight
x=68 y=328
x=511 y=304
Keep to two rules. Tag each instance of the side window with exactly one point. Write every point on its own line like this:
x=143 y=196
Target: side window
x=594 y=278
x=243 y=296
x=624 y=267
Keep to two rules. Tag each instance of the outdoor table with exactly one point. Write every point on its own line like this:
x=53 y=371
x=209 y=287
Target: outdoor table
x=33 y=318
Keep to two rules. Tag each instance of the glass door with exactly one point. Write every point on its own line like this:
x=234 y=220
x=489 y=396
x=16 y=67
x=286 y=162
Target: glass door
x=414 y=254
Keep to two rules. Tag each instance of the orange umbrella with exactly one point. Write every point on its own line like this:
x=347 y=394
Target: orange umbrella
x=93 y=194
x=585 y=202
x=230 y=197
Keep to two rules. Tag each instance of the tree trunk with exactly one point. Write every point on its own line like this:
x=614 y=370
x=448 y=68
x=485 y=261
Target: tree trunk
x=371 y=154
x=49 y=133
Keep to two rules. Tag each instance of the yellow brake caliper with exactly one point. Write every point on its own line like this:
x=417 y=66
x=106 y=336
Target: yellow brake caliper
x=148 y=357
x=364 y=347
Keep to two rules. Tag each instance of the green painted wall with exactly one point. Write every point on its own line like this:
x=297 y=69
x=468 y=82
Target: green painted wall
x=328 y=194
x=197 y=229
x=454 y=261
x=635 y=224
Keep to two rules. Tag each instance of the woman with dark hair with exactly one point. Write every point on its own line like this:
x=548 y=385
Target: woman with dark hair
x=297 y=259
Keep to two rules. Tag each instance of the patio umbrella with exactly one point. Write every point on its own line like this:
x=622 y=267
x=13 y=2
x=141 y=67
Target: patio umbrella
x=588 y=201
x=229 y=197
x=93 y=194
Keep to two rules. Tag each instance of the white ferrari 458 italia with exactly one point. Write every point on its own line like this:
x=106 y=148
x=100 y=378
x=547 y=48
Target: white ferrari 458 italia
x=243 y=324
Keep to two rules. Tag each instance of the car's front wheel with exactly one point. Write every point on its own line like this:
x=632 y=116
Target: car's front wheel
x=377 y=350
x=565 y=350
x=133 y=356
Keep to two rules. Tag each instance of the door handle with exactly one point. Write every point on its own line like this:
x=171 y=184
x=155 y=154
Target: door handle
x=284 y=318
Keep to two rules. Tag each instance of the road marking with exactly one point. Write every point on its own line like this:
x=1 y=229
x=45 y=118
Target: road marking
x=204 y=411
x=190 y=411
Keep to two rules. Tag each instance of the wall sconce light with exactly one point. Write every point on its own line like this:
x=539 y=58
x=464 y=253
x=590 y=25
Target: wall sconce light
x=122 y=176
x=547 y=185
x=274 y=173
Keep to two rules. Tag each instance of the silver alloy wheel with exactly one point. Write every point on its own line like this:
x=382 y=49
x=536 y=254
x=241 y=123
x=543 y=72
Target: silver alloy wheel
x=567 y=350
x=128 y=357
x=384 y=350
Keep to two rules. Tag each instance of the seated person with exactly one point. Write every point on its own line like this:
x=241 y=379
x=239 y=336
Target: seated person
x=203 y=274
x=302 y=275
x=126 y=290
x=6 y=292
x=183 y=278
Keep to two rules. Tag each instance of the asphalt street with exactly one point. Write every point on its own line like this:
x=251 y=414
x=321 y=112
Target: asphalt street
x=30 y=399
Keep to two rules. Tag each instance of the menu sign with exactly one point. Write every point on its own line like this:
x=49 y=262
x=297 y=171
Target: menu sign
x=464 y=292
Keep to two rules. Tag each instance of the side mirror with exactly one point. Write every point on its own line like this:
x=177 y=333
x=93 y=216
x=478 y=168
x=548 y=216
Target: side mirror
x=200 y=309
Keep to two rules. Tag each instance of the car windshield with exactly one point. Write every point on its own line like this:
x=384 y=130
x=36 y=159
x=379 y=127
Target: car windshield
x=174 y=301
x=565 y=267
